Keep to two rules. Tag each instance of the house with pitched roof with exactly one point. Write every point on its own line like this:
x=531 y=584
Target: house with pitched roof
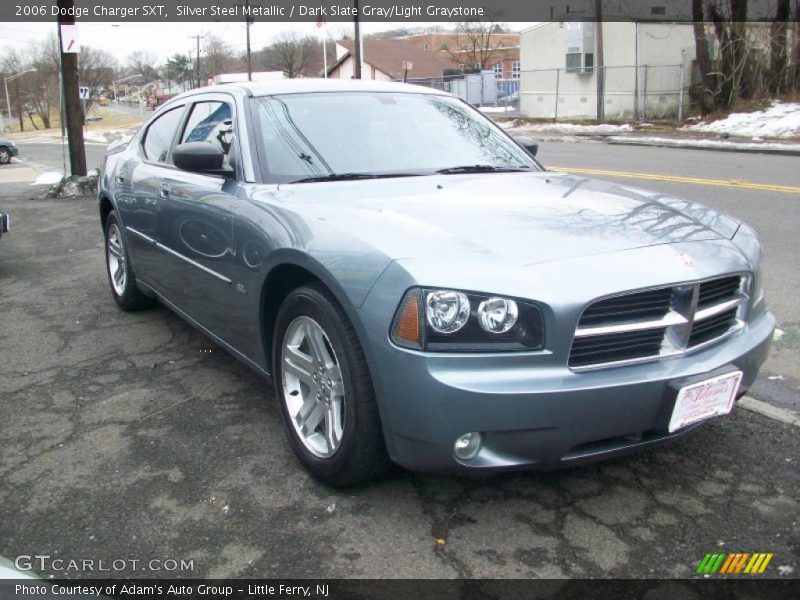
x=384 y=59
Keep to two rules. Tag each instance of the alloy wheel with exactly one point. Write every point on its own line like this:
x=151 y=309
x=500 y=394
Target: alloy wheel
x=312 y=386
x=116 y=260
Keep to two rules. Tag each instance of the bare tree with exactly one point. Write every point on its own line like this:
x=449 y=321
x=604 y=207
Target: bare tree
x=779 y=59
x=218 y=55
x=291 y=54
x=41 y=92
x=478 y=44
x=95 y=70
x=143 y=63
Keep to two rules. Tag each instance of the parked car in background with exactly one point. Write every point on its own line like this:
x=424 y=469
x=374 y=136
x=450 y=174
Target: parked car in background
x=420 y=289
x=8 y=150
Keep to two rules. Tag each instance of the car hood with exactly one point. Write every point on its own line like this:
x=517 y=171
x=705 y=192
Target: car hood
x=519 y=218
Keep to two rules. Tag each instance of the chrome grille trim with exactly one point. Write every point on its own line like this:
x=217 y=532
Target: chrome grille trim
x=699 y=313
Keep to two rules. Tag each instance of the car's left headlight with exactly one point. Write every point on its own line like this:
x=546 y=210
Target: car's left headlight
x=457 y=321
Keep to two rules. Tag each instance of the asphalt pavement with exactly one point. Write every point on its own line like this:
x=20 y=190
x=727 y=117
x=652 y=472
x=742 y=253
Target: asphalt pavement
x=131 y=436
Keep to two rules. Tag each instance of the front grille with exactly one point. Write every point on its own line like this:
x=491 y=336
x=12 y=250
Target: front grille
x=616 y=347
x=652 y=304
x=712 y=327
x=718 y=290
x=659 y=322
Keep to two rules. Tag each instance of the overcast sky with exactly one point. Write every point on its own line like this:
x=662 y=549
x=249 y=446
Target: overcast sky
x=166 y=39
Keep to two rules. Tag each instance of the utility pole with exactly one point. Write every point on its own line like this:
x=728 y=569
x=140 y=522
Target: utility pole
x=73 y=112
x=357 y=72
x=197 y=73
x=248 y=21
x=601 y=75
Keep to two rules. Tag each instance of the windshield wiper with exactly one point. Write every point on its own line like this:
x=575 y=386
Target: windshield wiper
x=479 y=169
x=351 y=177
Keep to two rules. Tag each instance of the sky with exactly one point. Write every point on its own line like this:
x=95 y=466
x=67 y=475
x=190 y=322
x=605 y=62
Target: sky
x=167 y=39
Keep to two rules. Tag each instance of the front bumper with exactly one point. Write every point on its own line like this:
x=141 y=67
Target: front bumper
x=13 y=150
x=544 y=416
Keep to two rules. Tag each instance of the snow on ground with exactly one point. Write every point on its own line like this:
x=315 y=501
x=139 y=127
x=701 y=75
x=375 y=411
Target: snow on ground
x=572 y=129
x=780 y=120
x=49 y=178
x=496 y=109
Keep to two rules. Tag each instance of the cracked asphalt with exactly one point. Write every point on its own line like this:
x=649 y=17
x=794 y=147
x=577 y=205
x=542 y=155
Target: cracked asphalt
x=131 y=436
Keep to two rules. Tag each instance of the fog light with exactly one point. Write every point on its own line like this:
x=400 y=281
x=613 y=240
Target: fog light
x=467 y=445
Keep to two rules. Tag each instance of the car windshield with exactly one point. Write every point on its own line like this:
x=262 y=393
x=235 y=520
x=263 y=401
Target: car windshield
x=359 y=135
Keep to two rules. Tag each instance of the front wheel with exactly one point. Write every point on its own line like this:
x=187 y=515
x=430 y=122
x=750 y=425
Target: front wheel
x=325 y=391
x=5 y=155
x=118 y=267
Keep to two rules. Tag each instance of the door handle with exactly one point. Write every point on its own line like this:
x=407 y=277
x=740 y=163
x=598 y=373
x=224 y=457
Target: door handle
x=121 y=179
x=164 y=190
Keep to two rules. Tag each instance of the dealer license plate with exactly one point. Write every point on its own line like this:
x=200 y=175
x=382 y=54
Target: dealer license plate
x=705 y=399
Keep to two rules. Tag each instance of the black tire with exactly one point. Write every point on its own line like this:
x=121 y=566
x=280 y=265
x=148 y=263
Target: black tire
x=361 y=455
x=5 y=155
x=130 y=298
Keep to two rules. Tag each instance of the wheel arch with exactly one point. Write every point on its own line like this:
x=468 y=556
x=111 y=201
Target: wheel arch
x=289 y=271
x=106 y=206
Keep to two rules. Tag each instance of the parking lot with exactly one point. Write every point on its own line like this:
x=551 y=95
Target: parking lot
x=131 y=436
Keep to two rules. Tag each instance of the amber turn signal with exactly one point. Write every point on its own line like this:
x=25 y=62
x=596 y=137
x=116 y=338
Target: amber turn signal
x=406 y=327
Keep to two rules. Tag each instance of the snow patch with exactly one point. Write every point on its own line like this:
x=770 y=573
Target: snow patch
x=571 y=128
x=781 y=120
x=49 y=178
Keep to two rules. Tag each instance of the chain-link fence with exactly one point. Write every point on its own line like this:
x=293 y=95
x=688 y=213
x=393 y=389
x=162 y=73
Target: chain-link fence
x=627 y=92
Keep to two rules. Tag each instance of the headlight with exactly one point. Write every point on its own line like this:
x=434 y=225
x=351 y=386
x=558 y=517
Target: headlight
x=457 y=321
x=446 y=311
x=746 y=240
x=497 y=315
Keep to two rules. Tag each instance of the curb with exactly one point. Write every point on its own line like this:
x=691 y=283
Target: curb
x=689 y=146
x=770 y=411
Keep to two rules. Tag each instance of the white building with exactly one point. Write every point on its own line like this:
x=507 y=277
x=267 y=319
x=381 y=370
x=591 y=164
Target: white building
x=647 y=69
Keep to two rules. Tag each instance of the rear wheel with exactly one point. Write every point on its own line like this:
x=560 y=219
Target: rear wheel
x=325 y=391
x=118 y=267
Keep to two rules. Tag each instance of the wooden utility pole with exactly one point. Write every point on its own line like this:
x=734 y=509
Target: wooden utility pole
x=73 y=113
x=197 y=74
x=248 y=21
x=357 y=71
x=598 y=59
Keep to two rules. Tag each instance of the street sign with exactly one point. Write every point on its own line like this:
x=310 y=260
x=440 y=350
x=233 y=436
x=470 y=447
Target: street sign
x=69 y=39
x=407 y=65
x=83 y=92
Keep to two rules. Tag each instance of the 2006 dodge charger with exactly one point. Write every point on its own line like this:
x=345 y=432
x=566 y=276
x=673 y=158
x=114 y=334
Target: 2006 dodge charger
x=419 y=289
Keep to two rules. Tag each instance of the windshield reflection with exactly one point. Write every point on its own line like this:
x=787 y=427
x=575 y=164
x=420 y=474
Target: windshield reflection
x=356 y=135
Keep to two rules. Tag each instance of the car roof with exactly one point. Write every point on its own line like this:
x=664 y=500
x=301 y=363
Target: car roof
x=309 y=85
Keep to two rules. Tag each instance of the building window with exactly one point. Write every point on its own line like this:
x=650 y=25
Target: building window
x=424 y=45
x=498 y=70
x=516 y=69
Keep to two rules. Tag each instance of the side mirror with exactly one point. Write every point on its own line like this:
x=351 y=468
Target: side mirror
x=200 y=157
x=527 y=143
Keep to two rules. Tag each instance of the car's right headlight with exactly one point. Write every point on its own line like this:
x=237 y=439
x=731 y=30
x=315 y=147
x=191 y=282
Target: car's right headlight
x=746 y=240
x=457 y=321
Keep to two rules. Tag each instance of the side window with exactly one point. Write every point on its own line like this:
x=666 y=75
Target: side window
x=159 y=135
x=210 y=122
